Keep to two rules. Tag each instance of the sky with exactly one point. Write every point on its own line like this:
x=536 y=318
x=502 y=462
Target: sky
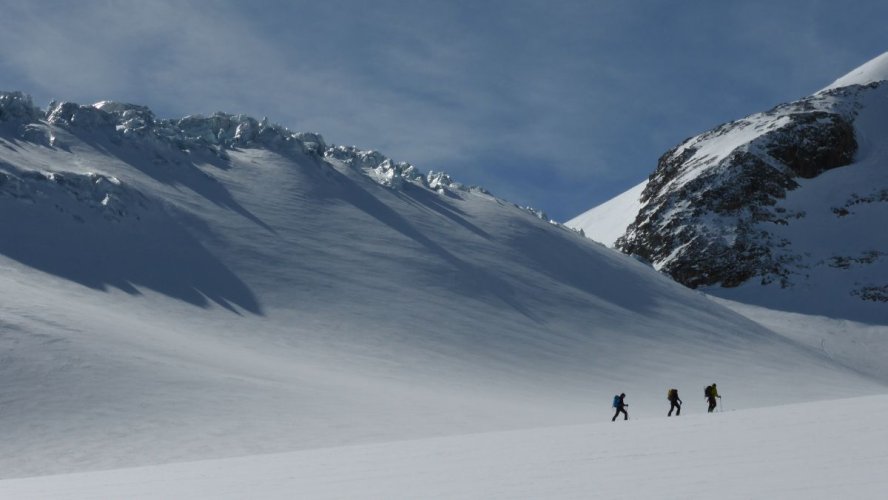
x=556 y=105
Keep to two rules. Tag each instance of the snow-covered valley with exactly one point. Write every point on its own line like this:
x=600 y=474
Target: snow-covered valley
x=173 y=292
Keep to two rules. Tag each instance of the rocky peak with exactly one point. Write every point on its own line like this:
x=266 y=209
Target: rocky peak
x=712 y=210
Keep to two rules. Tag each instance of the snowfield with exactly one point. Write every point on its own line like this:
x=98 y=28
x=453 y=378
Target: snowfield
x=220 y=287
x=806 y=451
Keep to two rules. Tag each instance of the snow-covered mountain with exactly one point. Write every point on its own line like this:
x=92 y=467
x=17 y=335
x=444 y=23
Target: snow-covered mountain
x=783 y=207
x=221 y=286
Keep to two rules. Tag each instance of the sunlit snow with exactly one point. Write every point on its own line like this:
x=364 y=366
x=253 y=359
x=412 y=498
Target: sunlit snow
x=218 y=307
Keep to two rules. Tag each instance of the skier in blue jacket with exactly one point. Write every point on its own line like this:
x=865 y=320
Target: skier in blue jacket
x=620 y=405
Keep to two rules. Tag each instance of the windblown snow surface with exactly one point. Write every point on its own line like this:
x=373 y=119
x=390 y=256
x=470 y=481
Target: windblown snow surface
x=219 y=287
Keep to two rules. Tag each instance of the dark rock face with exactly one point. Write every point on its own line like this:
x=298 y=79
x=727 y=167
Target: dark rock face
x=813 y=143
x=707 y=208
x=872 y=293
x=709 y=255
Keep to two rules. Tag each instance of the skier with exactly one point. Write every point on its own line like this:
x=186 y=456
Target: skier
x=712 y=393
x=620 y=405
x=674 y=401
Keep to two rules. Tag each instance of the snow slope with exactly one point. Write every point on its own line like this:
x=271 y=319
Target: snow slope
x=858 y=345
x=220 y=286
x=874 y=70
x=608 y=221
x=806 y=451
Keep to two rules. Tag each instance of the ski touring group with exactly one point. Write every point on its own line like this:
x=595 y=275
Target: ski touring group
x=710 y=393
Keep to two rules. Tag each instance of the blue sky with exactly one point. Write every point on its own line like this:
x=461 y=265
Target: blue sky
x=558 y=105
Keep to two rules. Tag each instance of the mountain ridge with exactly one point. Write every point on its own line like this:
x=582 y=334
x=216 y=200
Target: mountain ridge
x=217 y=133
x=724 y=210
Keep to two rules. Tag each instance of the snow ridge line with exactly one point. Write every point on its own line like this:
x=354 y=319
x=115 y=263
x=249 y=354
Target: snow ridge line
x=218 y=133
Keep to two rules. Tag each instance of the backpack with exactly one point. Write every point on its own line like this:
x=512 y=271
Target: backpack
x=672 y=394
x=707 y=393
x=616 y=401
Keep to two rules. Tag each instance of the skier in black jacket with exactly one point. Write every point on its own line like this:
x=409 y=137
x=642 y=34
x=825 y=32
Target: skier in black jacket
x=675 y=402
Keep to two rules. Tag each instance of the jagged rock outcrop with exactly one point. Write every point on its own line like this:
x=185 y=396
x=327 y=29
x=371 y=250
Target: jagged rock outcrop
x=710 y=209
x=76 y=194
x=216 y=134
